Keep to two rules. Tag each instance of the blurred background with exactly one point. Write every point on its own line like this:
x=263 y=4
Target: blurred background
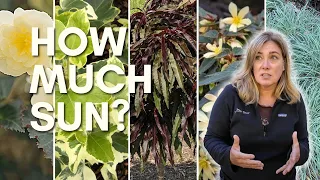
x=41 y=5
x=220 y=7
x=20 y=158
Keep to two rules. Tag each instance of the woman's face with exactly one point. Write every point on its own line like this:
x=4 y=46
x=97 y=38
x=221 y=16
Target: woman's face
x=268 y=65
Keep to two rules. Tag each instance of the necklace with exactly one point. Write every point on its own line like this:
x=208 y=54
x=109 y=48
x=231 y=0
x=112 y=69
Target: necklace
x=265 y=123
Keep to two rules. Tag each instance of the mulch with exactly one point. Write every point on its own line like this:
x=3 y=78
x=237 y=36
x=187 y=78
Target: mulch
x=185 y=168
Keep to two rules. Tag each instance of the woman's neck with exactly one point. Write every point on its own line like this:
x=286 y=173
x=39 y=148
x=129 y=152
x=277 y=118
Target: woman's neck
x=266 y=96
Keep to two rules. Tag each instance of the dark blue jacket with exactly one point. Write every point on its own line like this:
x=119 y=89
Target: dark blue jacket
x=230 y=116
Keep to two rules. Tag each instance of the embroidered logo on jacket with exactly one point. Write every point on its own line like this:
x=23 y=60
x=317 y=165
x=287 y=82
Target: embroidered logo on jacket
x=240 y=111
x=282 y=115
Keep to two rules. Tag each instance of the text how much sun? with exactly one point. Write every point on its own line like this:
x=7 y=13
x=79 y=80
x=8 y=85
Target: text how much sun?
x=57 y=75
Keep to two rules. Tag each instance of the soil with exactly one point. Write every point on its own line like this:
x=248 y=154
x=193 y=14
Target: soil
x=185 y=168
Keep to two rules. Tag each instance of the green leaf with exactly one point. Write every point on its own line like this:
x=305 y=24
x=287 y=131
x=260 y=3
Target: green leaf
x=135 y=4
x=59 y=55
x=66 y=174
x=224 y=53
x=205 y=14
x=113 y=77
x=104 y=9
x=45 y=139
x=99 y=145
x=64 y=17
x=220 y=76
x=69 y=4
x=81 y=136
x=237 y=51
x=171 y=79
x=120 y=142
x=203 y=39
x=69 y=99
x=176 y=125
x=10 y=117
x=177 y=71
x=157 y=102
x=59 y=27
x=206 y=64
x=164 y=88
x=211 y=34
x=73 y=41
x=6 y=83
x=155 y=74
x=79 y=61
x=80 y=20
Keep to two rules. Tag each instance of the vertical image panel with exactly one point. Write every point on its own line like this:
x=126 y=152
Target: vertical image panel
x=25 y=153
x=298 y=21
x=225 y=28
x=91 y=132
x=163 y=49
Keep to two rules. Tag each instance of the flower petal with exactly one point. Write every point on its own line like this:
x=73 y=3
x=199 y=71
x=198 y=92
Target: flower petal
x=243 y=12
x=240 y=25
x=209 y=55
x=245 y=21
x=6 y=17
x=228 y=20
x=211 y=47
x=233 y=28
x=202 y=126
x=220 y=43
x=233 y=9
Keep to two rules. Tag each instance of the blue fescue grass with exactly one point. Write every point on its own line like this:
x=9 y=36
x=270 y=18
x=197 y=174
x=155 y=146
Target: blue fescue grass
x=302 y=28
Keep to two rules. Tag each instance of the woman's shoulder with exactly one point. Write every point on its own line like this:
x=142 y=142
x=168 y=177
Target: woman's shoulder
x=230 y=89
x=229 y=92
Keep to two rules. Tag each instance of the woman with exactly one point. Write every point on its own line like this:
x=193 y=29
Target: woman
x=258 y=125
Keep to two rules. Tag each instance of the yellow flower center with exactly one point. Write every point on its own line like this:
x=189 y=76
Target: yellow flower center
x=22 y=41
x=203 y=163
x=217 y=50
x=236 y=20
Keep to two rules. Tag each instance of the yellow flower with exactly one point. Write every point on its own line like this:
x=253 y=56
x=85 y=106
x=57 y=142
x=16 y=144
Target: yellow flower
x=215 y=50
x=207 y=167
x=237 y=20
x=15 y=41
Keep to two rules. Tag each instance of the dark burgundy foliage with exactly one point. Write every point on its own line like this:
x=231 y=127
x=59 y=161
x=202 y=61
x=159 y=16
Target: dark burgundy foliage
x=164 y=35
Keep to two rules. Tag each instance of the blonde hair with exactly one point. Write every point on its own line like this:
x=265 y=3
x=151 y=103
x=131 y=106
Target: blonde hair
x=245 y=82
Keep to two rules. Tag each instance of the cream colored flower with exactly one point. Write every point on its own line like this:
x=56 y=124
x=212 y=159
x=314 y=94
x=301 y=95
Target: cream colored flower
x=203 y=123
x=215 y=50
x=237 y=20
x=15 y=41
x=207 y=167
x=234 y=43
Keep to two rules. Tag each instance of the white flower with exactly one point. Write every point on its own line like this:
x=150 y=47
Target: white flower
x=15 y=41
x=237 y=20
x=215 y=50
x=207 y=167
x=234 y=43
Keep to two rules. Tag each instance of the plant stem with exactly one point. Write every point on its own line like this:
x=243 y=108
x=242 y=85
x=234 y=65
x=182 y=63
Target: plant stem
x=160 y=169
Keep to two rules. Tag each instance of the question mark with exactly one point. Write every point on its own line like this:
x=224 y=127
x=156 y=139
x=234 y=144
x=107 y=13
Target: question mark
x=121 y=113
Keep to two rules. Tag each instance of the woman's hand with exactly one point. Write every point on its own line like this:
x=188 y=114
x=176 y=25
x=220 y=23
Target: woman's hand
x=294 y=156
x=242 y=159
